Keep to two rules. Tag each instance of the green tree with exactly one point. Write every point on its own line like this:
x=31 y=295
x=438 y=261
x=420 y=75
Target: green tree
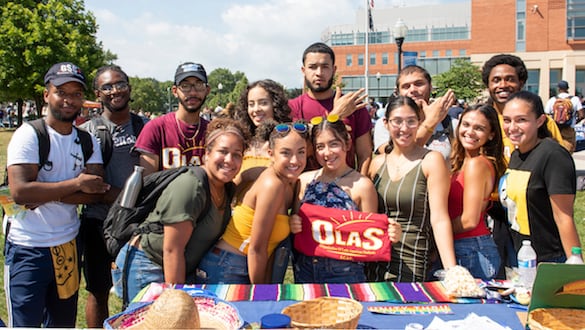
x=463 y=78
x=225 y=87
x=149 y=95
x=37 y=34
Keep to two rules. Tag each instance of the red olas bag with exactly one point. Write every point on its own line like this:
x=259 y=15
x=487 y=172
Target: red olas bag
x=342 y=234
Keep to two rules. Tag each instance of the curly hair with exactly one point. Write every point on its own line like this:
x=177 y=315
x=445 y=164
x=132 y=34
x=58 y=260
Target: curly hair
x=493 y=149
x=279 y=102
x=223 y=125
x=511 y=60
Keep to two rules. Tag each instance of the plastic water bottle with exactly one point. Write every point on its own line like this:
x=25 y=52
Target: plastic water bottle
x=132 y=188
x=526 y=265
x=575 y=257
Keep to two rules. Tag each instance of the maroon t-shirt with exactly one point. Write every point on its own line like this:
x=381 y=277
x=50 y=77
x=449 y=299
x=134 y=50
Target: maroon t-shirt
x=358 y=123
x=161 y=136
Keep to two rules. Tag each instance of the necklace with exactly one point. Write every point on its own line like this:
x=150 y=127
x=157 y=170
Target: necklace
x=218 y=201
x=337 y=178
x=183 y=134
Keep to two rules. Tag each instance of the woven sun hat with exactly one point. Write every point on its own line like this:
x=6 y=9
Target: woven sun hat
x=173 y=309
x=213 y=313
x=556 y=319
x=325 y=313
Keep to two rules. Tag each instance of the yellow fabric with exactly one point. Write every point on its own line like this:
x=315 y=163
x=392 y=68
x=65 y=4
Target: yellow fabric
x=239 y=229
x=66 y=269
x=249 y=162
x=509 y=147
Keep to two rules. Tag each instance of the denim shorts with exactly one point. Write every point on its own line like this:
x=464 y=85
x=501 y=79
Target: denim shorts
x=326 y=270
x=140 y=273
x=479 y=255
x=222 y=267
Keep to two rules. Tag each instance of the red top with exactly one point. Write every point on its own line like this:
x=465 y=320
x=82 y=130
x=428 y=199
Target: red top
x=456 y=207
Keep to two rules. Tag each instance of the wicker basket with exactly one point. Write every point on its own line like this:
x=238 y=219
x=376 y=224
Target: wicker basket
x=556 y=319
x=325 y=312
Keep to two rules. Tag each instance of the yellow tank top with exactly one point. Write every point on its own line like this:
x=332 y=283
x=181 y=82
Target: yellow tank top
x=239 y=229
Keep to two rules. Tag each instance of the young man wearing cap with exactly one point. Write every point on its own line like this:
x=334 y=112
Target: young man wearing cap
x=177 y=138
x=568 y=129
x=41 y=265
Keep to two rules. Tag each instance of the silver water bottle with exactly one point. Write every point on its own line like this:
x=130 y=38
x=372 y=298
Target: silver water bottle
x=132 y=188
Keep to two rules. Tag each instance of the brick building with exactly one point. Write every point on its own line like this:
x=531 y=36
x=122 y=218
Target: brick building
x=548 y=35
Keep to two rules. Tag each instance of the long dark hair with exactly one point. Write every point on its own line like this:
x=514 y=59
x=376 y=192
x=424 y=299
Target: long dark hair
x=493 y=149
x=395 y=103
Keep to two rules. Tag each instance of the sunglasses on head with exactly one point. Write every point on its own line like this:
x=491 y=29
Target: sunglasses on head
x=318 y=120
x=297 y=126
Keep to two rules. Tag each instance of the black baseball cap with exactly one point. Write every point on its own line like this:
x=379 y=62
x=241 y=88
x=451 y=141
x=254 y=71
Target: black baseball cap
x=190 y=69
x=64 y=72
x=563 y=85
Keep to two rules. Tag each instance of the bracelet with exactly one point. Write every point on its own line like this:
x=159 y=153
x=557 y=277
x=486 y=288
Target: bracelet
x=430 y=130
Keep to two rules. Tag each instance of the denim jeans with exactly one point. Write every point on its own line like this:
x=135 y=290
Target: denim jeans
x=326 y=270
x=140 y=272
x=222 y=267
x=479 y=255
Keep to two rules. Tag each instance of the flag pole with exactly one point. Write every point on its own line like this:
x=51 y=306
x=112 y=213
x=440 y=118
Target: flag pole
x=367 y=56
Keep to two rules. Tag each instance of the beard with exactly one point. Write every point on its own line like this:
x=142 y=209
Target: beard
x=62 y=117
x=319 y=89
x=190 y=108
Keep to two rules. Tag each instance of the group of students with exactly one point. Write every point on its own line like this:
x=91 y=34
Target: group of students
x=224 y=219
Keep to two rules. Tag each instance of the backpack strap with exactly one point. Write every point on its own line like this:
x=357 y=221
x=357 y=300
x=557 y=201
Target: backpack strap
x=104 y=133
x=86 y=143
x=40 y=128
x=137 y=123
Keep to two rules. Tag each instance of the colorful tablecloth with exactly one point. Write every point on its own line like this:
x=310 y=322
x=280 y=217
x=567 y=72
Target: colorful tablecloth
x=420 y=292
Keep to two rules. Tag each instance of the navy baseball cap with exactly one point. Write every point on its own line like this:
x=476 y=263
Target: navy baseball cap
x=190 y=69
x=64 y=72
x=563 y=85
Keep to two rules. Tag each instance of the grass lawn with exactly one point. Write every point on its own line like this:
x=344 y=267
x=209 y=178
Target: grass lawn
x=116 y=304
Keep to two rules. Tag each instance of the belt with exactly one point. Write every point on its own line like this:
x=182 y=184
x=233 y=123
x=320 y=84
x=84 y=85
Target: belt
x=215 y=250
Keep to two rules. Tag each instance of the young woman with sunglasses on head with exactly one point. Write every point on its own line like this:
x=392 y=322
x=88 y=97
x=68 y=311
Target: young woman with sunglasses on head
x=335 y=185
x=413 y=185
x=261 y=221
x=539 y=187
x=477 y=161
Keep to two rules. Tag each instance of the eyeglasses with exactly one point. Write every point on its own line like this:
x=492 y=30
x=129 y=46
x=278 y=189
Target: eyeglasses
x=108 y=89
x=318 y=120
x=198 y=87
x=397 y=122
x=297 y=126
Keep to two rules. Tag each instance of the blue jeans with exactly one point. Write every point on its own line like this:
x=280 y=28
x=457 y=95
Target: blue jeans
x=326 y=270
x=140 y=271
x=479 y=255
x=222 y=267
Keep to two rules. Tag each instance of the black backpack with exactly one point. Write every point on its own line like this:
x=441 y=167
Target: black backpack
x=122 y=223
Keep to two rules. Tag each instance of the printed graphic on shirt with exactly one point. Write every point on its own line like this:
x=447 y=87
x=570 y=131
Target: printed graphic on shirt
x=512 y=190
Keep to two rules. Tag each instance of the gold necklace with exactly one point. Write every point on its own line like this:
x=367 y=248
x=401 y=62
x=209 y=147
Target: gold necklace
x=183 y=134
x=218 y=201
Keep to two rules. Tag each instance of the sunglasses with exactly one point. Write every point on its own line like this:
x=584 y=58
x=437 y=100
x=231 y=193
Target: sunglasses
x=318 y=120
x=297 y=126
x=108 y=89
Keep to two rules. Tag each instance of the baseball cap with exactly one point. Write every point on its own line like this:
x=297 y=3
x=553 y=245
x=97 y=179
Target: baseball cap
x=64 y=72
x=190 y=69
x=563 y=85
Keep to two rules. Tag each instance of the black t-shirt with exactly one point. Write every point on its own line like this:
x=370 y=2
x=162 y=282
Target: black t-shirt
x=525 y=188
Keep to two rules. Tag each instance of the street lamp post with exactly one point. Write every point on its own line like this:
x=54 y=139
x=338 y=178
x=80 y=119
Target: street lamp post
x=378 y=76
x=400 y=30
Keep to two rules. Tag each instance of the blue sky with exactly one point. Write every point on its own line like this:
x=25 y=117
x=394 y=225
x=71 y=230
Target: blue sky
x=263 y=39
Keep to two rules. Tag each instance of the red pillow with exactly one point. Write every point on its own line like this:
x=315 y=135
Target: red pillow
x=342 y=234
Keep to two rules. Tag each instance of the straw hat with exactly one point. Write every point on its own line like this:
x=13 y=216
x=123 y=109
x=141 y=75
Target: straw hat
x=174 y=309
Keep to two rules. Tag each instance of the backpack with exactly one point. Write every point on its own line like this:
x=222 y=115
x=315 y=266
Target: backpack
x=122 y=223
x=562 y=111
x=104 y=131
